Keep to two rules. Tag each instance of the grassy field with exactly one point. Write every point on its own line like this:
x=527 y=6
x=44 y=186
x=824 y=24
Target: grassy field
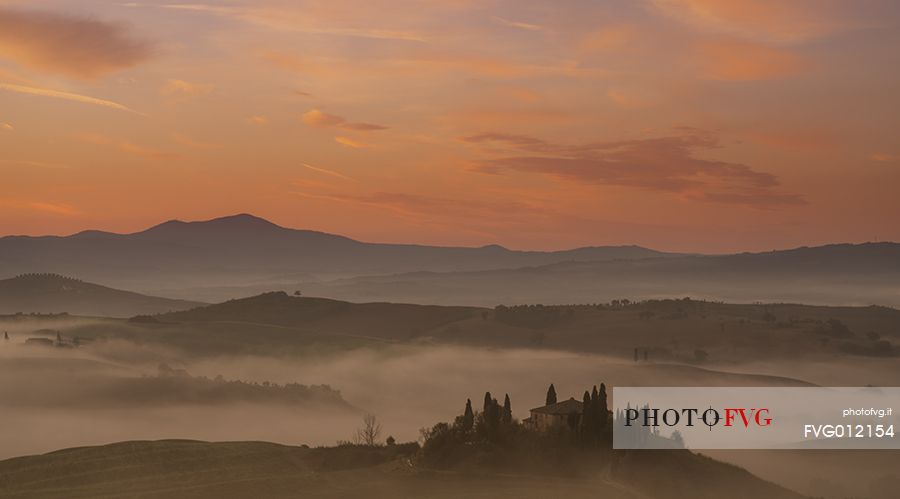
x=195 y=470
x=200 y=470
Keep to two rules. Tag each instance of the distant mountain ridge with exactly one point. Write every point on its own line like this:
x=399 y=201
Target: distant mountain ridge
x=244 y=249
x=839 y=274
x=53 y=293
x=243 y=255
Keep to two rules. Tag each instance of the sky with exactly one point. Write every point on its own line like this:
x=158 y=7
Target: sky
x=682 y=125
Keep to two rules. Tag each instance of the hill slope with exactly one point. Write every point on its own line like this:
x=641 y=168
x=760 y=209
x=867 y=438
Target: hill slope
x=191 y=469
x=393 y=321
x=52 y=293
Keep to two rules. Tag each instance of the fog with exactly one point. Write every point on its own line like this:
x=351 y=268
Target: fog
x=52 y=398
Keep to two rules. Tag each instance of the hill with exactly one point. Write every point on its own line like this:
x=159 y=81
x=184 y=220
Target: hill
x=674 y=331
x=390 y=321
x=192 y=469
x=246 y=250
x=52 y=293
x=842 y=274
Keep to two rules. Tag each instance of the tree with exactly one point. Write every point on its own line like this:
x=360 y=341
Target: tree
x=645 y=355
x=488 y=400
x=635 y=354
x=369 y=433
x=468 y=420
x=551 y=395
x=58 y=339
x=603 y=406
x=507 y=411
x=298 y=293
x=390 y=440
x=5 y=336
x=587 y=418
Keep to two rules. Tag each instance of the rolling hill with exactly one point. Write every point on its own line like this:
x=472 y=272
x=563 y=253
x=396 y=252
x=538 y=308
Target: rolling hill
x=671 y=330
x=193 y=469
x=53 y=293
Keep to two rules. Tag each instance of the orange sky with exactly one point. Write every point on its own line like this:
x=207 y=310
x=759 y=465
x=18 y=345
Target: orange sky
x=691 y=125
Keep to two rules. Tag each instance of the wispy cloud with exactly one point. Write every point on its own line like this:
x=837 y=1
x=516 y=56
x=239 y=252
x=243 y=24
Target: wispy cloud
x=765 y=20
x=6 y=126
x=258 y=120
x=56 y=94
x=125 y=146
x=328 y=172
x=74 y=46
x=39 y=164
x=348 y=142
x=518 y=24
x=180 y=90
x=55 y=208
x=318 y=118
x=881 y=157
x=294 y=20
x=194 y=144
x=734 y=60
x=666 y=164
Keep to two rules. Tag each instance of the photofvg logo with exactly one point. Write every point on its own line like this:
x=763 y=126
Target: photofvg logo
x=733 y=417
x=755 y=418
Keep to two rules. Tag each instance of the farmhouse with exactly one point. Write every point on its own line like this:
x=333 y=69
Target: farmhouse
x=565 y=415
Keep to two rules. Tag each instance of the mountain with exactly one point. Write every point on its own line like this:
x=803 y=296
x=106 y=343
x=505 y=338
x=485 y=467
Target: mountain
x=244 y=250
x=840 y=274
x=53 y=293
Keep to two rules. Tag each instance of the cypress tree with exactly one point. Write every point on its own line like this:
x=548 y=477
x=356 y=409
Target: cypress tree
x=489 y=416
x=468 y=417
x=507 y=411
x=587 y=426
x=603 y=405
x=551 y=395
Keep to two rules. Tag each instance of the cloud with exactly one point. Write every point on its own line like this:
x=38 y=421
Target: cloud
x=55 y=208
x=44 y=92
x=630 y=99
x=258 y=120
x=69 y=45
x=518 y=24
x=610 y=38
x=6 y=127
x=193 y=144
x=765 y=20
x=327 y=172
x=300 y=20
x=733 y=60
x=881 y=157
x=181 y=90
x=347 y=141
x=434 y=207
x=40 y=164
x=320 y=119
x=125 y=146
x=665 y=164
